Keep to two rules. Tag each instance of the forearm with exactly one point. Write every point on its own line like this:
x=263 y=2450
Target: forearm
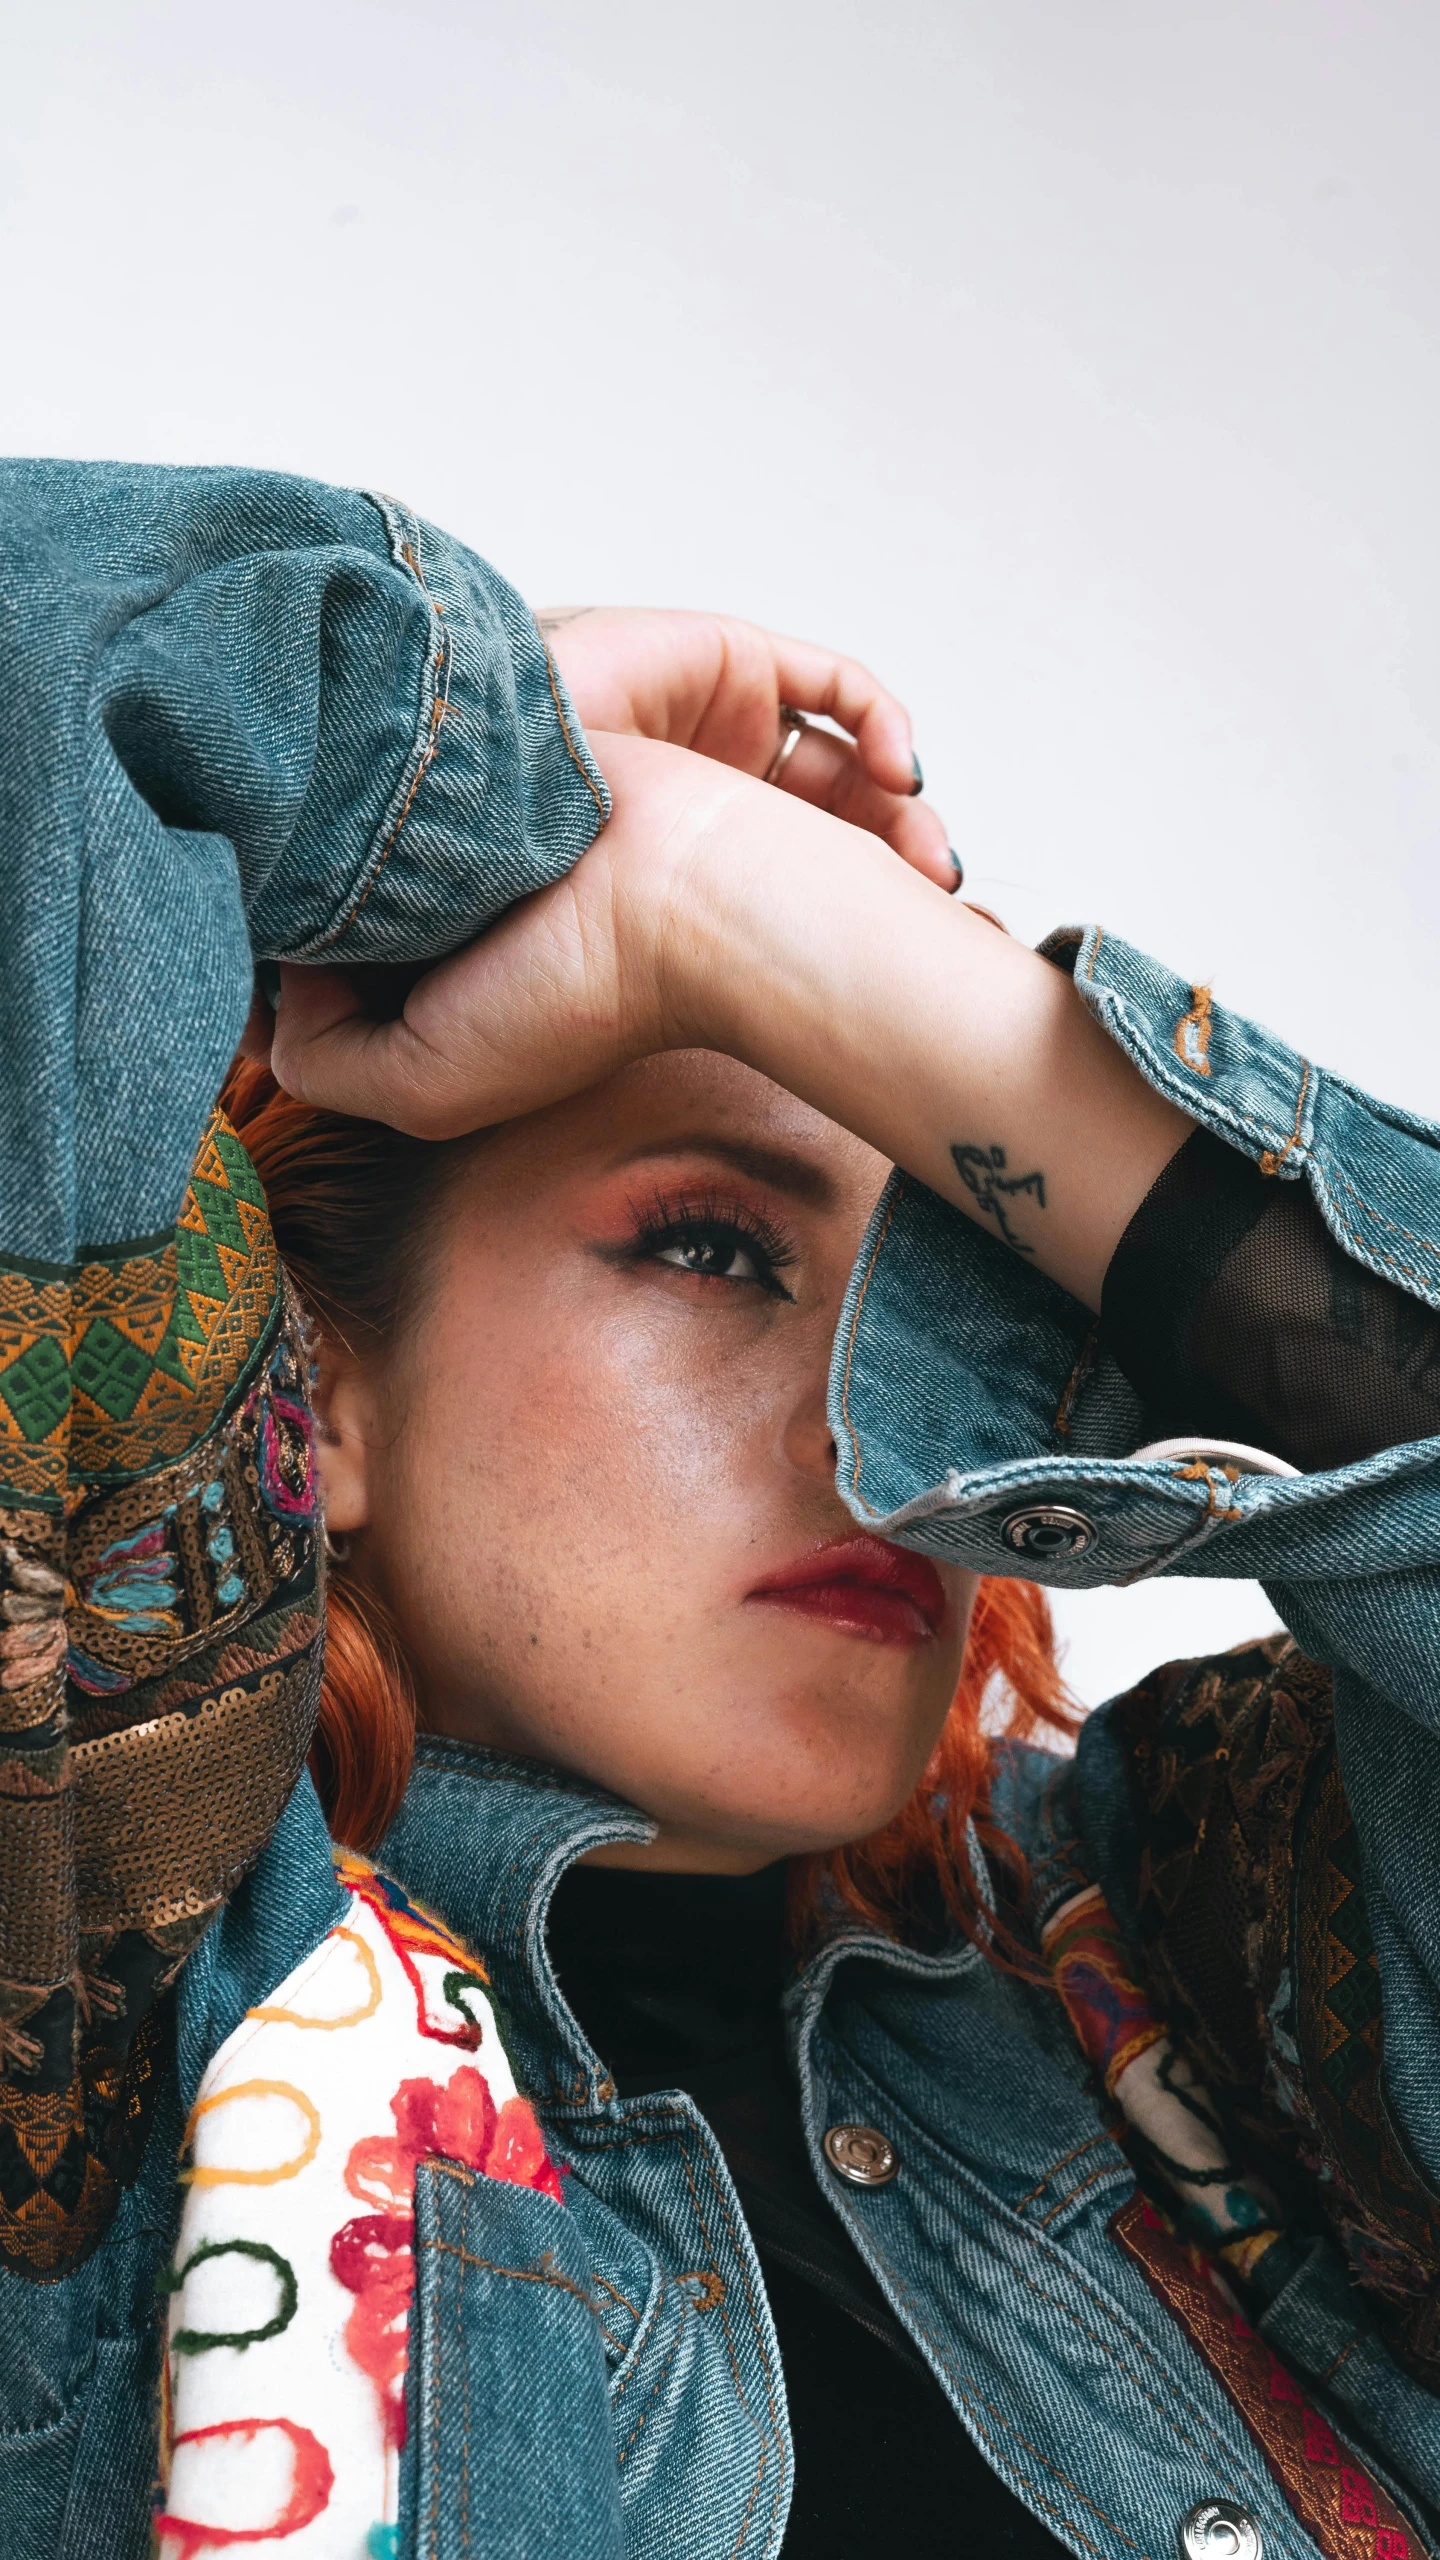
x=957 y=1052
x=716 y=913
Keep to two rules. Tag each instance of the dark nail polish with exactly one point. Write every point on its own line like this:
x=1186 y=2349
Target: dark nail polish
x=918 y=784
x=959 y=865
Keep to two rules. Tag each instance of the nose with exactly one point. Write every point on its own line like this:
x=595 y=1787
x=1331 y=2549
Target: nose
x=808 y=1441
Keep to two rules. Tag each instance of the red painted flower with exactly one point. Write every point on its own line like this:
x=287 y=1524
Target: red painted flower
x=372 y=2256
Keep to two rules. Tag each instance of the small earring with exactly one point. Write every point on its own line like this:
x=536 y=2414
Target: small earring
x=337 y=1549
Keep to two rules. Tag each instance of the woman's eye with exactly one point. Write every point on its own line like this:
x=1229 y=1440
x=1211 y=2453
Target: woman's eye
x=715 y=1255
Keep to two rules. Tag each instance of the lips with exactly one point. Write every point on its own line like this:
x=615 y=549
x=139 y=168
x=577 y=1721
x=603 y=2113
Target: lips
x=863 y=1587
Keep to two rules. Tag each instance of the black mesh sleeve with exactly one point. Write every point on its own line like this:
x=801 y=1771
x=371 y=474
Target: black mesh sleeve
x=1235 y=1315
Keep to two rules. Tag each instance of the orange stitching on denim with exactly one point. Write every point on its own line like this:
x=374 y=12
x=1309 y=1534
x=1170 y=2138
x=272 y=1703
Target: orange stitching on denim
x=640 y=2338
x=1107 y=2169
x=465 y=2434
x=1055 y=2168
x=583 y=770
x=1271 y=1162
x=675 y=2132
x=1423 y=1242
x=854 y=1329
x=1095 y=951
x=755 y=2317
x=622 y=2298
x=1198 y=1473
x=1025 y=2232
x=1163 y=2409
x=439 y=713
x=971 y=2394
x=541 y=2273
x=665 y=2363
x=730 y=2351
x=1073 y=1384
x=1192 y=1033
x=713 y=2283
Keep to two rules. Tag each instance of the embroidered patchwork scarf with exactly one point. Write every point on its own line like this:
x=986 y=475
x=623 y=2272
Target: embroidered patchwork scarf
x=1241 y=2046
x=1257 y=1951
x=160 y=1614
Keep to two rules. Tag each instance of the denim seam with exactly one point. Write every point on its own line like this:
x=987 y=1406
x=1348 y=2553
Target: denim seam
x=676 y=2132
x=433 y=2520
x=973 y=2396
x=1044 y=2249
x=464 y=2362
x=1162 y=2409
x=585 y=775
x=1076 y=1380
x=662 y=2370
x=1107 y=2169
x=850 y=1346
x=739 y=2543
x=438 y=685
x=1276 y=1146
x=639 y=2341
x=622 y=2298
x=1273 y=1159
x=1056 y=2166
x=1421 y=1242
x=553 y=2276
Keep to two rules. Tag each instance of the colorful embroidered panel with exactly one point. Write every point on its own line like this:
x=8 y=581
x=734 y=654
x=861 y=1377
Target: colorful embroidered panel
x=1172 y=2124
x=1343 y=2509
x=296 y=2244
x=160 y=1615
x=130 y=1358
x=1257 y=1952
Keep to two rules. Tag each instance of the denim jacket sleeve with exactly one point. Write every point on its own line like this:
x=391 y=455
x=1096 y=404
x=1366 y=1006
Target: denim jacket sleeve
x=977 y=1417
x=241 y=716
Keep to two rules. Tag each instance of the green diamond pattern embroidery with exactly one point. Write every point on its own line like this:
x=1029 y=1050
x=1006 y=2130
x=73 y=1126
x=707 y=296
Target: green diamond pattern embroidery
x=36 y=1387
x=110 y=1370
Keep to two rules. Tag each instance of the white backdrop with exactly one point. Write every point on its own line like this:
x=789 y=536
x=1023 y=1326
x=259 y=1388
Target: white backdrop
x=1074 y=361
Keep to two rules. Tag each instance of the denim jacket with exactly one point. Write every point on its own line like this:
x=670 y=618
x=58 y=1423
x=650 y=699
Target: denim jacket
x=975 y=1419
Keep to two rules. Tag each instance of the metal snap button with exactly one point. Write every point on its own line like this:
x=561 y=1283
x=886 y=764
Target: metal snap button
x=1219 y=2529
x=1048 y=1530
x=862 y=2157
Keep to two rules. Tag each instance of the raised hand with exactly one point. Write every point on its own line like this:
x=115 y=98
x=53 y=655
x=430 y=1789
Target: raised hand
x=714 y=683
x=714 y=913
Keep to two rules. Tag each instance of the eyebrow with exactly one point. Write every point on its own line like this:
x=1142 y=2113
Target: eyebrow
x=799 y=1177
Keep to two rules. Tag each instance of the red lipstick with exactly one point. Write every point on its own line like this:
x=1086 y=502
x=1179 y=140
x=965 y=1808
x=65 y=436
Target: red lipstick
x=862 y=1587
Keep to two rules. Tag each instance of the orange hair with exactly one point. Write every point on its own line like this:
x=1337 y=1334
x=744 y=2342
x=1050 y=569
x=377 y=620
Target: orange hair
x=350 y=1202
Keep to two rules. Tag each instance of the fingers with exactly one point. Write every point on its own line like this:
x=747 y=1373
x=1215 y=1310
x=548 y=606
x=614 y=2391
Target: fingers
x=815 y=679
x=520 y=1018
x=829 y=774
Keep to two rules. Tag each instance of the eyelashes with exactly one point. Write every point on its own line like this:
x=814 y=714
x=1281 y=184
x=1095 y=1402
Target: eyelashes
x=713 y=1238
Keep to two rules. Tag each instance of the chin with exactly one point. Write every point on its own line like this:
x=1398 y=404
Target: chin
x=791 y=1820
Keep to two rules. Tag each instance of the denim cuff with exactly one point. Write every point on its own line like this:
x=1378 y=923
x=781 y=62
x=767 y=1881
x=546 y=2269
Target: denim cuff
x=970 y=1396
x=494 y=791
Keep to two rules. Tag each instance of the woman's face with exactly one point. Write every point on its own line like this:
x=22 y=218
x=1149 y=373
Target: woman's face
x=595 y=1485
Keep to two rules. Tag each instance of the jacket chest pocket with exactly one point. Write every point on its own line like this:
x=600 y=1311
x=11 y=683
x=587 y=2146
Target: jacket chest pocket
x=510 y=2450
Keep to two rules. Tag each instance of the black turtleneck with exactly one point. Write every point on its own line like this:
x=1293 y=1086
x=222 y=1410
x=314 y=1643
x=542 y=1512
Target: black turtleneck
x=676 y=1981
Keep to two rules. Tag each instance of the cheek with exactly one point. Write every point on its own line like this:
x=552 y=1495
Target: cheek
x=567 y=1476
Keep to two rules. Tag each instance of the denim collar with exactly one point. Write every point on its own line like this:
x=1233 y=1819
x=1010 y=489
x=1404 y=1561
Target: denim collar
x=484 y=1837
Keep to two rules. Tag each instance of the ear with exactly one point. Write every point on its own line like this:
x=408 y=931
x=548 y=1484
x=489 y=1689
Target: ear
x=344 y=1433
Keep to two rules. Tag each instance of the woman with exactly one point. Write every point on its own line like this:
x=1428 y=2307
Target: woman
x=579 y=1469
